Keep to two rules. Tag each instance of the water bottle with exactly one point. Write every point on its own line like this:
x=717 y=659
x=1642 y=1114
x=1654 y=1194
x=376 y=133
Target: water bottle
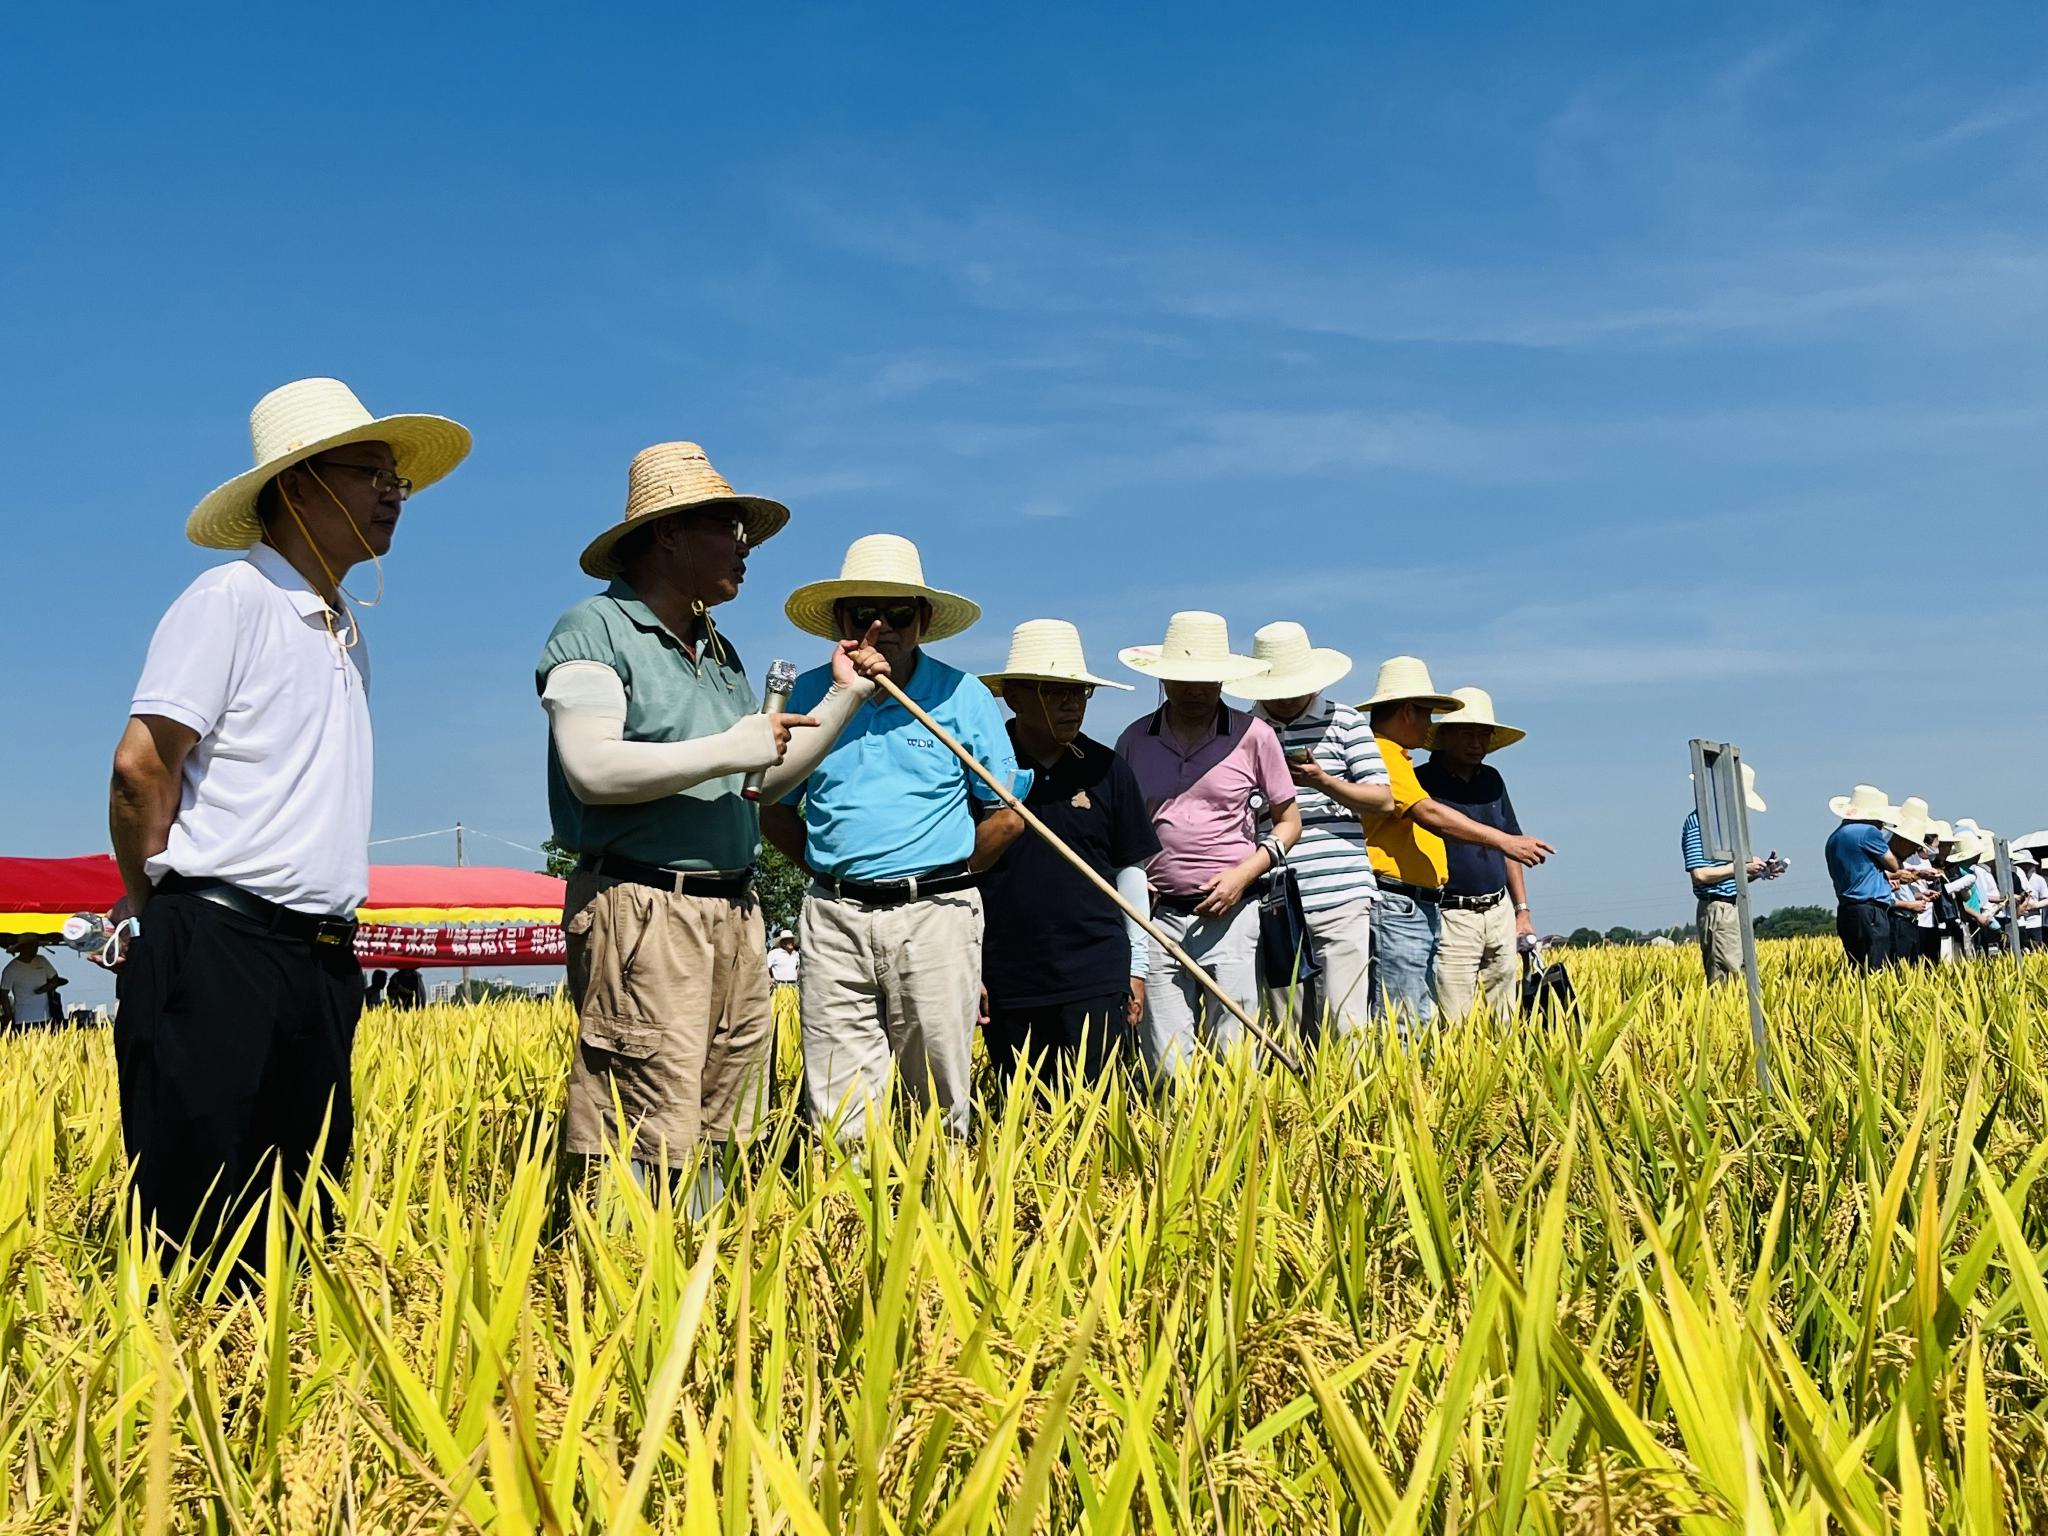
x=86 y=932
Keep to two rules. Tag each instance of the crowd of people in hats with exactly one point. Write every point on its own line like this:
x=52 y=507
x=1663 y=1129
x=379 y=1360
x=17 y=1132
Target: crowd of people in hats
x=1135 y=922
x=1908 y=889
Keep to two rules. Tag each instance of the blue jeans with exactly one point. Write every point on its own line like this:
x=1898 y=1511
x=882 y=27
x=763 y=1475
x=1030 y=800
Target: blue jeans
x=1404 y=943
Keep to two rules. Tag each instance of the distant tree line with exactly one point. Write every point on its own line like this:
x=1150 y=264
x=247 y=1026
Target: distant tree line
x=1783 y=923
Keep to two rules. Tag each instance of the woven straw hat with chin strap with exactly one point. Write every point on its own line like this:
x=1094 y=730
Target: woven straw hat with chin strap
x=1475 y=707
x=1866 y=802
x=1403 y=678
x=1196 y=650
x=308 y=416
x=879 y=565
x=677 y=477
x=1046 y=651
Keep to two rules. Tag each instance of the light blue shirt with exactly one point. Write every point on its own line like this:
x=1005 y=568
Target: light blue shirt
x=890 y=800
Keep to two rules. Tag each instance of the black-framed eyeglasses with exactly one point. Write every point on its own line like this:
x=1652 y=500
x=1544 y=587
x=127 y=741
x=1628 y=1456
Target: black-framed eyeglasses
x=384 y=481
x=1058 y=693
x=897 y=615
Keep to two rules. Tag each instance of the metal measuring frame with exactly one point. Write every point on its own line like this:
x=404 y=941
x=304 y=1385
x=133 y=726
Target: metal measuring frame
x=1724 y=833
x=2002 y=872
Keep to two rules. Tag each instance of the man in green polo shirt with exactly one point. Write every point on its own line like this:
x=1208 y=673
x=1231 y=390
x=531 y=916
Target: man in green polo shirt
x=653 y=727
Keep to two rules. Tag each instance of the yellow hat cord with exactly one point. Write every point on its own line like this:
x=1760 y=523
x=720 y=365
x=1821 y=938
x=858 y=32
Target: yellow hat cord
x=355 y=628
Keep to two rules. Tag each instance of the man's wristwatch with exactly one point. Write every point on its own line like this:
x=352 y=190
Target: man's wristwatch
x=1521 y=906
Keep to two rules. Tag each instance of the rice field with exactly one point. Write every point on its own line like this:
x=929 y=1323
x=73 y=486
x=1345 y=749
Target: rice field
x=1557 y=1279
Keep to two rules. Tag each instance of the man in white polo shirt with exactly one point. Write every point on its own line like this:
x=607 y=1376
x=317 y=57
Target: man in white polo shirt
x=30 y=982
x=1337 y=769
x=240 y=813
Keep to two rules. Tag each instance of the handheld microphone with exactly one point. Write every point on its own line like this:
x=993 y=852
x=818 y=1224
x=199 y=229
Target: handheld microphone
x=774 y=700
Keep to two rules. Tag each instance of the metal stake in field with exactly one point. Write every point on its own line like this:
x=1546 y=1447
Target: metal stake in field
x=2002 y=869
x=1144 y=920
x=1724 y=832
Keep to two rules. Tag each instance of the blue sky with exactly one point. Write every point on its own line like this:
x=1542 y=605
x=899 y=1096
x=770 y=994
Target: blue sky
x=1669 y=371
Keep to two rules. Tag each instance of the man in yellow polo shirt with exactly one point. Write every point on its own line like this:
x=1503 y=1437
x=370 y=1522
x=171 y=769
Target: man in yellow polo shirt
x=1407 y=845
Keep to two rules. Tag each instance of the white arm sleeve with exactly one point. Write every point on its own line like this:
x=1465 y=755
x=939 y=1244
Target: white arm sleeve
x=586 y=705
x=809 y=744
x=1130 y=884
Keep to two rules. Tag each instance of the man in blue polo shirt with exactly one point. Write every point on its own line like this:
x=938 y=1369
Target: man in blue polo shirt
x=894 y=831
x=1720 y=929
x=1861 y=863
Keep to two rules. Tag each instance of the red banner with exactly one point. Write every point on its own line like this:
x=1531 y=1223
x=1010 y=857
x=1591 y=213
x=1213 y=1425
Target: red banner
x=380 y=946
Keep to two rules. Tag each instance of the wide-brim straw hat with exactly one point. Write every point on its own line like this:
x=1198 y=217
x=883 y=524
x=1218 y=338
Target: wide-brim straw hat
x=1866 y=802
x=1196 y=650
x=2025 y=856
x=1909 y=819
x=677 y=477
x=1294 y=668
x=1475 y=707
x=1404 y=678
x=1941 y=831
x=1046 y=651
x=879 y=565
x=308 y=416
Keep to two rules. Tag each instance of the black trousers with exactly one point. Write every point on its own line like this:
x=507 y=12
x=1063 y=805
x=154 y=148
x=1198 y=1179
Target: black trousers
x=1092 y=1032
x=1905 y=943
x=232 y=1043
x=1865 y=928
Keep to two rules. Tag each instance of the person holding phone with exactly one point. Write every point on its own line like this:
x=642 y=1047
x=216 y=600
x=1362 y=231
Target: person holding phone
x=1338 y=776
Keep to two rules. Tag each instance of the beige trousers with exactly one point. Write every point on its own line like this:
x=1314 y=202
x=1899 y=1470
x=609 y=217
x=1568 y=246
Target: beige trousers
x=889 y=989
x=1720 y=940
x=1477 y=954
x=1342 y=937
x=672 y=1017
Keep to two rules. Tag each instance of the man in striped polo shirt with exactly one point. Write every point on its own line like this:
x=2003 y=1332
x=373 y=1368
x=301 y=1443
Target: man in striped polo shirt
x=1336 y=768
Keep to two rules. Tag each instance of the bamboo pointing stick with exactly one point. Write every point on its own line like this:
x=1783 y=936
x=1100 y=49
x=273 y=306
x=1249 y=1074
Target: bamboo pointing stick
x=1142 y=919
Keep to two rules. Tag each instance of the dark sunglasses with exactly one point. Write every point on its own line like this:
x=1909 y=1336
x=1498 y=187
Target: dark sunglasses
x=898 y=616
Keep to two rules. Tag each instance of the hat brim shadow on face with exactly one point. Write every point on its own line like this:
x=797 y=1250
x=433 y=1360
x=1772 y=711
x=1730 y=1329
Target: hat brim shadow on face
x=810 y=608
x=994 y=681
x=763 y=519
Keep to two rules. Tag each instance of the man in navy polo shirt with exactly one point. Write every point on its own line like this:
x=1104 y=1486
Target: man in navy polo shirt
x=894 y=831
x=1063 y=969
x=1861 y=863
x=1485 y=904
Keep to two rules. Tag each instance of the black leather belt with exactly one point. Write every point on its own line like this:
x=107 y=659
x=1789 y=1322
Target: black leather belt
x=896 y=893
x=730 y=884
x=1473 y=903
x=1172 y=901
x=306 y=927
x=1431 y=894
x=1727 y=900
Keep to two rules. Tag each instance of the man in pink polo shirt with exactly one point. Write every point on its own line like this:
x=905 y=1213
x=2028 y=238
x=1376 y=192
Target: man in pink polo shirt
x=1198 y=765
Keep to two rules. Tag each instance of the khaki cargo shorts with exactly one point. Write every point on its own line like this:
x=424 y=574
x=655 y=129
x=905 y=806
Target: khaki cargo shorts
x=672 y=1017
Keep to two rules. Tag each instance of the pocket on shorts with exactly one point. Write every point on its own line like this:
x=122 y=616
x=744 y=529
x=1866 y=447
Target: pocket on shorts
x=615 y=1012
